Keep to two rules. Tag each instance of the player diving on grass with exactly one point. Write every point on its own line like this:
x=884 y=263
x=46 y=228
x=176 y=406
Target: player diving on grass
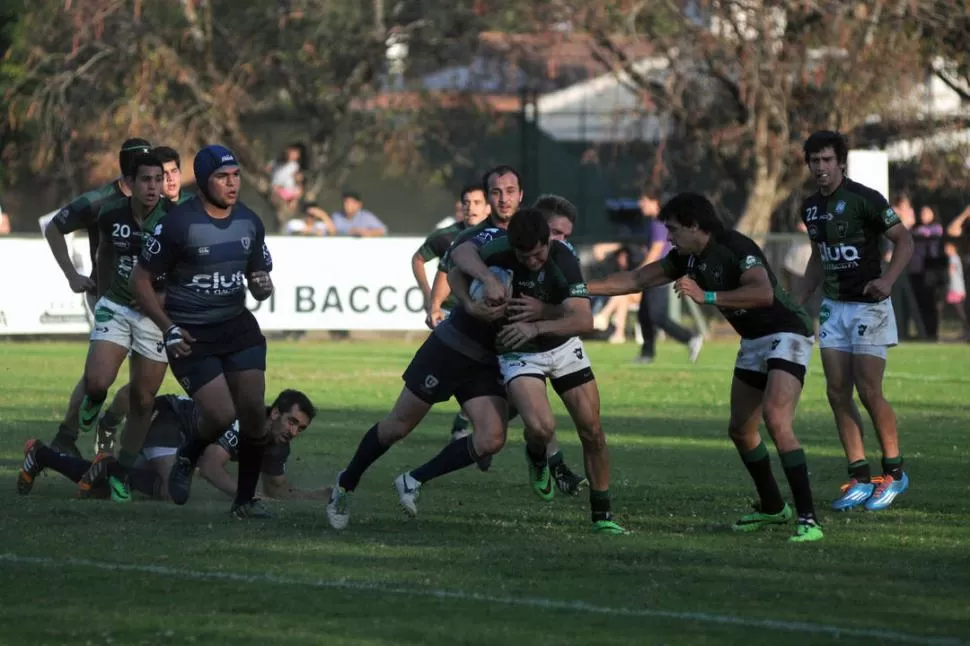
x=547 y=272
x=174 y=421
x=712 y=265
x=82 y=213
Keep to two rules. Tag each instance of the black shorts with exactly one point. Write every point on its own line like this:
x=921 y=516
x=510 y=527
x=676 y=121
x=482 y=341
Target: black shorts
x=165 y=430
x=233 y=346
x=437 y=372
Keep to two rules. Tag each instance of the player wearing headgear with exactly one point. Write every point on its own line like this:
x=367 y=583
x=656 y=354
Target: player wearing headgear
x=209 y=249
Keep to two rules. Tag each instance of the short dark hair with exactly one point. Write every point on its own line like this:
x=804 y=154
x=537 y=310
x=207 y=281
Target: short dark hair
x=290 y=398
x=823 y=139
x=528 y=228
x=556 y=205
x=143 y=159
x=470 y=188
x=503 y=169
x=692 y=209
x=167 y=154
x=129 y=150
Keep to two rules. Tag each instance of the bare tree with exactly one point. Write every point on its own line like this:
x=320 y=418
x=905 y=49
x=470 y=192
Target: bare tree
x=752 y=79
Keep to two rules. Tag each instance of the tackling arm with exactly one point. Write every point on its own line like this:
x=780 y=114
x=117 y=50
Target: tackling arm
x=576 y=319
x=755 y=291
x=212 y=466
x=630 y=282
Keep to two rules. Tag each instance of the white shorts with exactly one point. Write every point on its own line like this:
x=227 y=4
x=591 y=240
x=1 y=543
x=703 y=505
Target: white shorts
x=754 y=354
x=567 y=366
x=156 y=452
x=857 y=328
x=130 y=329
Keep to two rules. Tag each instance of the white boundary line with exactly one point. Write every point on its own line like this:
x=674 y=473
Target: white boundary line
x=459 y=595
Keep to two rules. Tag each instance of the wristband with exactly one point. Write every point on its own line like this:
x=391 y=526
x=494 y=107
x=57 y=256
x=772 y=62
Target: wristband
x=173 y=335
x=710 y=297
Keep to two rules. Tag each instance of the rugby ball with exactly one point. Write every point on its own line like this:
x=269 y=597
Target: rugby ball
x=477 y=289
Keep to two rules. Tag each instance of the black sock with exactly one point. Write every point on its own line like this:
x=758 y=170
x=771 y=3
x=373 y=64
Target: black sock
x=460 y=423
x=193 y=448
x=796 y=470
x=860 y=472
x=110 y=420
x=599 y=504
x=146 y=481
x=555 y=460
x=66 y=465
x=127 y=459
x=250 y=464
x=65 y=435
x=368 y=452
x=537 y=456
x=759 y=466
x=893 y=467
x=456 y=455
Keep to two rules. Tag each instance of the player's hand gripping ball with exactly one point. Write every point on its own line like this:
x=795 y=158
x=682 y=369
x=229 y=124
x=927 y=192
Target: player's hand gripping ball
x=477 y=289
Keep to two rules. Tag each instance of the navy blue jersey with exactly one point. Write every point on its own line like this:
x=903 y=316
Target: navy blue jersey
x=206 y=261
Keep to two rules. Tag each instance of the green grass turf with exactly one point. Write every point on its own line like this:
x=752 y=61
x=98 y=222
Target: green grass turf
x=486 y=562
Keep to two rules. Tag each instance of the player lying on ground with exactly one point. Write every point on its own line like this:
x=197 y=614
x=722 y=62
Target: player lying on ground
x=176 y=419
x=726 y=269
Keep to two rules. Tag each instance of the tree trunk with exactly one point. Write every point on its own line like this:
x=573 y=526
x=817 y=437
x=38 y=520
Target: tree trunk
x=755 y=222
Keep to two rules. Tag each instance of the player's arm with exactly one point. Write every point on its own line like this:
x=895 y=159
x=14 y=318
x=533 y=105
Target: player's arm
x=418 y=262
x=69 y=219
x=576 y=319
x=654 y=253
x=159 y=252
x=754 y=291
x=812 y=278
x=902 y=251
x=260 y=265
x=467 y=258
x=212 y=467
x=440 y=290
x=632 y=282
x=460 y=285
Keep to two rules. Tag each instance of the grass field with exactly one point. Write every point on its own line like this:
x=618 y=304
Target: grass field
x=486 y=562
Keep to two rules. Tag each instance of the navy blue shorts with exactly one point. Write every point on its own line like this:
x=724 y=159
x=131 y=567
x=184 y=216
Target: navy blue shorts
x=233 y=346
x=437 y=372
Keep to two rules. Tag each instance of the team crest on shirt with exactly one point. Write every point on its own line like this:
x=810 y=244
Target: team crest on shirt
x=840 y=207
x=748 y=262
x=812 y=232
x=841 y=227
x=245 y=243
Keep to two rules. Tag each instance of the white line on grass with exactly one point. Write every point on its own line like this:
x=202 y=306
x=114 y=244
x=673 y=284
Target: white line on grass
x=522 y=602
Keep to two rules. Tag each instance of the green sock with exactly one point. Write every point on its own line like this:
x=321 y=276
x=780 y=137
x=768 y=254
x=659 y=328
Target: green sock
x=796 y=471
x=759 y=467
x=599 y=505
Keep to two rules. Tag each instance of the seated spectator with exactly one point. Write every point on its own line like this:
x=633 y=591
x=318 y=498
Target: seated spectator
x=357 y=221
x=315 y=222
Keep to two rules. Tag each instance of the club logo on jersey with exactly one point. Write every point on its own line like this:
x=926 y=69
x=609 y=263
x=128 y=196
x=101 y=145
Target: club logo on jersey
x=245 y=243
x=840 y=207
x=579 y=290
x=812 y=232
x=748 y=263
x=839 y=253
x=774 y=344
x=430 y=382
x=152 y=246
x=842 y=228
x=889 y=217
x=267 y=258
x=158 y=230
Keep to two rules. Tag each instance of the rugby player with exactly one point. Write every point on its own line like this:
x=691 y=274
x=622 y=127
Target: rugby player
x=857 y=325
x=82 y=213
x=175 y=419
x=457 y=359
x=728 y=270
x=109 y=420
x=208 y=249
x=548 y=271
x=118 y=326
x=474 y=209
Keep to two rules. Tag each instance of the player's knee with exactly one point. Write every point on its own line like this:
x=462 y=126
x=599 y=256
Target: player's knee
x=777 y=420
x=96 y=386
x=488 y=441
x=869 y=394
x=215 y=422
x=394 y=427
x=541 y=428
x=839 y=394
x=737 y=430
x=141 y=400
